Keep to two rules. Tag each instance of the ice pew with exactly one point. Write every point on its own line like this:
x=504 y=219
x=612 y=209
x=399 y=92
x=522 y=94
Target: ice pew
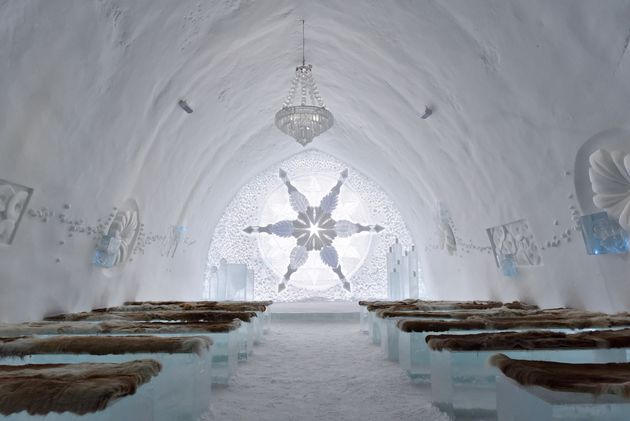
x=183 y=389
x=247 y=332
x=414 y=355
x=66 y=392
x=385 y=319
x=459 y=368
x=262 y=309
x=426 y=306
x=223 y=335
x=546 y=391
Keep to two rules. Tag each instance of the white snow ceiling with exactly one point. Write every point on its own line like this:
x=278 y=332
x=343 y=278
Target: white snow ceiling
x=89 y=117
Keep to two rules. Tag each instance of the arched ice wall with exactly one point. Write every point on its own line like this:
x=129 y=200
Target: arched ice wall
x=89 y=116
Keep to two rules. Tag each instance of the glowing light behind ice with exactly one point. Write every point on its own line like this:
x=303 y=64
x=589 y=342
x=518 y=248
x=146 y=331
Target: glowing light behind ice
x=264 y=200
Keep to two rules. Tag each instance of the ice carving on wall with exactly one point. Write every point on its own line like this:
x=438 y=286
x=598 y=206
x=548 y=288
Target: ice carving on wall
x=314 y=229
x=610 y=180
x=516 y=239
x=447 y=238
x=115 y=247
x=13 y=202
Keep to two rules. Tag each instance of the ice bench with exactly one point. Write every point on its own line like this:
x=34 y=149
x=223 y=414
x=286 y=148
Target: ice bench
x=223 y=336
x=67 y=392
x=546 y=391
x=414 y=354
x=462 y=380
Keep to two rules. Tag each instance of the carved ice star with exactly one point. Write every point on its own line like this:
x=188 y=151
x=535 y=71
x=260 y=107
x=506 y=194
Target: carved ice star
x=314 y=229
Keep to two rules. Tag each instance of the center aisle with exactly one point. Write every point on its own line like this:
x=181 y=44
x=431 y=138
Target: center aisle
x=324 y=370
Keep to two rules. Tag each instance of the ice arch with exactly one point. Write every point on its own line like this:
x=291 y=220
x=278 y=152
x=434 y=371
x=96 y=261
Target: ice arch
x=260 y=201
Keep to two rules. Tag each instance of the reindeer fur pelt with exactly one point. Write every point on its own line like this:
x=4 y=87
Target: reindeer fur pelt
x=192 y=305
x=498 y=341
x=444 y=305
x=480 y=323
x=78 y=388
x=495 y=313
x=184 y=307
x=597 y=379
x=147 y=316
x=103 y=345
x=114 y=327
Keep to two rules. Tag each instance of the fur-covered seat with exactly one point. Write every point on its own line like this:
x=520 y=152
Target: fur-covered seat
x=546 y=390
x=79 y=389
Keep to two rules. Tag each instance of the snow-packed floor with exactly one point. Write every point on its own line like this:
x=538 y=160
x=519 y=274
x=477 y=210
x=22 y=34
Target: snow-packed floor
x=320 y=370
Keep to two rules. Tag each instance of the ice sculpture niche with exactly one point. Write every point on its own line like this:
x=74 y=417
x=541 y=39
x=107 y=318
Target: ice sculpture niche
x=603 y=235
x=517 y=240
x=14 y=199
x=263 y=201
x=115 y=247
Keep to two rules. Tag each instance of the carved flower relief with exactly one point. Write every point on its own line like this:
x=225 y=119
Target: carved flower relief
x=12 y=203
x=610 y=180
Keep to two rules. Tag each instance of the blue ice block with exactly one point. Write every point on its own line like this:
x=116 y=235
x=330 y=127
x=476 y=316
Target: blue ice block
x=508 y=266
x=603 y=235
x=527 y=403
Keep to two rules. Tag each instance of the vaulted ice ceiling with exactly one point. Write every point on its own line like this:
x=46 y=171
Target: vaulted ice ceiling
x=89 y=117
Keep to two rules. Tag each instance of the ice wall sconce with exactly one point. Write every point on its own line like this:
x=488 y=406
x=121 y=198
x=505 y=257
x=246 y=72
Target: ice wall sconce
x=603 y=235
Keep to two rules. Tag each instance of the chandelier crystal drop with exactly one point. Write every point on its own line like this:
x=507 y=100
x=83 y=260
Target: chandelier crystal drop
x=310 y=118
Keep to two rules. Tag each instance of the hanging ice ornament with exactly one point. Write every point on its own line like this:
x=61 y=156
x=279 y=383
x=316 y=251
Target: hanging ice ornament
x=314 y=229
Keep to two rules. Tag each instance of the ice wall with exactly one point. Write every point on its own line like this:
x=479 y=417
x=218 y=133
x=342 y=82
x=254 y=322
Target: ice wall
x=89 y=117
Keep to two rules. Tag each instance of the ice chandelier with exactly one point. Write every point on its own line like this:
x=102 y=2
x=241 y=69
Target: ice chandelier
x=304 y=122
x=314 y=229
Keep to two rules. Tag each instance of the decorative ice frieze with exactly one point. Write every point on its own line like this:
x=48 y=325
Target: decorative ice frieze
x=515 y=239
x=610 y=180
x=13 y=202
x=603 y=235
x=115 y=247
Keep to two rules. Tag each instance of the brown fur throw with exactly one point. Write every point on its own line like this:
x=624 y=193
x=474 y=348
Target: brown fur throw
x=184 y=307
x=147 y=316
x=495 y=313
x=103 y=345
x=443 y=305
x=497 y=341
x=259 y=305
x=113 y=327
x=597 y=379
x=78 y=388
x=480 y=323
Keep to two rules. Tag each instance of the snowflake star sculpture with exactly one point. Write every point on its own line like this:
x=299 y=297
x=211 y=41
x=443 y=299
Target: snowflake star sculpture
x=314 y=229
